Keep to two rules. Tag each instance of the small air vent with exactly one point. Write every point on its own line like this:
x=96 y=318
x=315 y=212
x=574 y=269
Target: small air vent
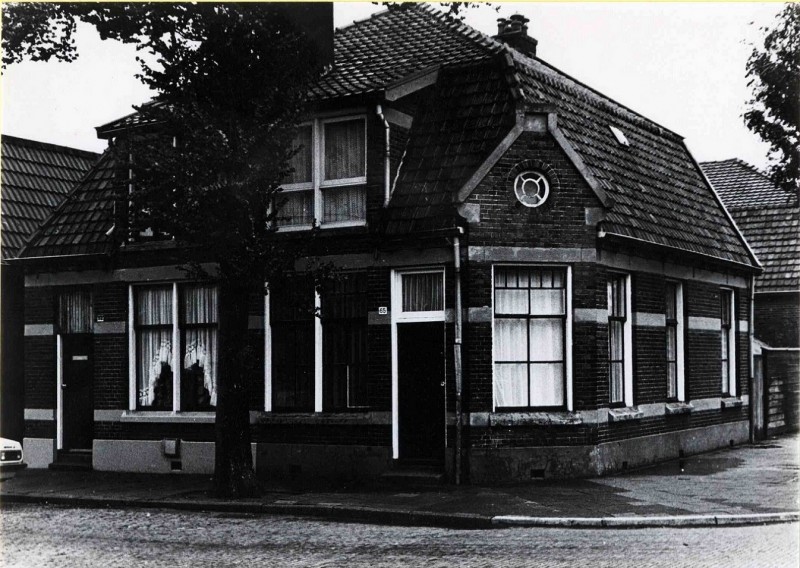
x=619 y=135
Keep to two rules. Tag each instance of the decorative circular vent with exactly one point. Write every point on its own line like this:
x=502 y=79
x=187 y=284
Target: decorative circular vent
x=531 y=188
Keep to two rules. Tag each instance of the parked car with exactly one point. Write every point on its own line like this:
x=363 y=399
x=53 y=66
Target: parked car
x=10 y=458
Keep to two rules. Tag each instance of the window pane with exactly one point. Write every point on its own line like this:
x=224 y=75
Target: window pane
x=199 y=376
x=75 y=311
x=301 y=162
x=297 y=208
x=547 y=384
x=154 y=305
x=672 y=343
x=153 y=368
x=423 y=292
x=510 y=384
x=672 y=380
x=615 y=341
x=344 y=204
x=547 y=302
x=511 y=301
x=671 y=301
x=510 y=340
x=725 y=344
x=725 y=378
x=344 y=149
x=546 y=340
x=292 y=325
x=616 y=306
x=616 y=376
x=200 y=304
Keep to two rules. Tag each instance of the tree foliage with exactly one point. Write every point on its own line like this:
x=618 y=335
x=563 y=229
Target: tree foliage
x=208 y=154
x=773 y=112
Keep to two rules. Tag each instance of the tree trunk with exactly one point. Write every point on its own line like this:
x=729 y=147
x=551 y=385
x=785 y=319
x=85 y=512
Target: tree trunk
x=233 y=470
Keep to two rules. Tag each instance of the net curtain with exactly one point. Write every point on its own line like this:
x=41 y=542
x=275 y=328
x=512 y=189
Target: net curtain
x=200 y=304
x=154 y=358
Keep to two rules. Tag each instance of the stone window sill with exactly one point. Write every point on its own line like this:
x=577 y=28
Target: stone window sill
x=624 y=414
x=327 y=418
x=506 y=419
x=675 y=408
x=168 y=417
x=730 y=402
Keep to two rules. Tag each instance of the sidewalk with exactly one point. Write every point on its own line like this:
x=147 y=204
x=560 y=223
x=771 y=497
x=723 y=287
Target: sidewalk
x=741 y=485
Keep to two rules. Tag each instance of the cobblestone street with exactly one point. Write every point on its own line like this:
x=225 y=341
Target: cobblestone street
x=34 y=536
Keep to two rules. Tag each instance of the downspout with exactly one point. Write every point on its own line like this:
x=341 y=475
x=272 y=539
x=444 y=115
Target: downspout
x=457 y=352
x=754 y=428
x=386 y=156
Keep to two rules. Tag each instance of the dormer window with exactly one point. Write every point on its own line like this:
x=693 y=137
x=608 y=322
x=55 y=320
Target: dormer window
x=619 y=135
x=328 y=185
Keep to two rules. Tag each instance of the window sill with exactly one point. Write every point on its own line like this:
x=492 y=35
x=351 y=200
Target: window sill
x=168 y=417
x=544 y=418
x=624 y=414
x=730 y=402
x=676 y=408
x=327 y=418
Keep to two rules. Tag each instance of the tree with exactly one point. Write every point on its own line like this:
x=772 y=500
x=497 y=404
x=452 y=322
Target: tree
x=773 y=112
x=232 y=82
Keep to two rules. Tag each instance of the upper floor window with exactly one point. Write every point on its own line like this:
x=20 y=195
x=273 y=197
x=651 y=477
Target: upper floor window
x=620 y=336
x=728 y=343
x=330 y=174
x=530 y=326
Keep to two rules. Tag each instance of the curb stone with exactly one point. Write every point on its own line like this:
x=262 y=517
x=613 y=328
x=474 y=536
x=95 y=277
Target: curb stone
x=648 y=522
x=409 y=518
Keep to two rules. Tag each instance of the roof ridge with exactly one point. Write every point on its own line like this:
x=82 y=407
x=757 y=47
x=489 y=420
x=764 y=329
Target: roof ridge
x=362 y=20
x=49 y=145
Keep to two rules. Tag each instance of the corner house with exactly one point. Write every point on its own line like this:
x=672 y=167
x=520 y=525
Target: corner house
x=539 y=282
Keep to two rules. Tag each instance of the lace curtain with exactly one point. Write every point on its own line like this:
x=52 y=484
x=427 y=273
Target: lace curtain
x=75 y=311
x=344 y=149
x=154 y=347
x=200 y=360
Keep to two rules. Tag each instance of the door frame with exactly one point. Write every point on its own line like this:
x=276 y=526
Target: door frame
x=59 y=393
x=398 y=316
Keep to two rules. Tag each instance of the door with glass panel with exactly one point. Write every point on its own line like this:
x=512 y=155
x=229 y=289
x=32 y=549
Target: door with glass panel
x=75 y=327
x=420 y=367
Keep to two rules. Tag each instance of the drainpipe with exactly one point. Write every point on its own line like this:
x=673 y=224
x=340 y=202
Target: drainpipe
x=457 y=351
x=386 y=156
x=754 y=428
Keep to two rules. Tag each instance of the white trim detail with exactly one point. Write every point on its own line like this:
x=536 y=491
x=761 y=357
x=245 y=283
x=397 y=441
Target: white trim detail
x=59 y=392
x=317 y=352
x=40 y=414
x=267 y=356
x=568 y=345
x=681 y=362
x=628 y=330
x=176 y=351
x=704 y=324
x=131 y=353
x=647 y=319
x=38 y=329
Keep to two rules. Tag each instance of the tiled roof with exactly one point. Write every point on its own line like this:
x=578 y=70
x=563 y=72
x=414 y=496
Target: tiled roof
x=768 y=216
x=742 y=186
x=374 y=53
x=456 y=128
x=36 y=177
x=80 y=225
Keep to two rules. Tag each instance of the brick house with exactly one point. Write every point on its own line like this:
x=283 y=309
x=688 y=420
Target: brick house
x=769 y=218
x=536 y=282
x=36 y=178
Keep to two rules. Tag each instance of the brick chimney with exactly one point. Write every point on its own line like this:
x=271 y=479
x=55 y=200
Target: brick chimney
x=513 y=32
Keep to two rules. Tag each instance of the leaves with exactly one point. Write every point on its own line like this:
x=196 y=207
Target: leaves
x=773 y=112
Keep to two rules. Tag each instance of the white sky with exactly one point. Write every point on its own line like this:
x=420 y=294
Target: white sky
x=680 y=64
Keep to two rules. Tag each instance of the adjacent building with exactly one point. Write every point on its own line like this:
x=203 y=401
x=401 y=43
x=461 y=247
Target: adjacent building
x=769 y=218
x=535 y=281
x=36 y=178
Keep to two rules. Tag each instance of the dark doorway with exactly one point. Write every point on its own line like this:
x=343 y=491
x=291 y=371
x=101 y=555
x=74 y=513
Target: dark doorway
x=76 y=390
x=420 y=354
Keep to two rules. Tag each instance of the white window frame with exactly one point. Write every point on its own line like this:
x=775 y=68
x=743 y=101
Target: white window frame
x=568 y=322
x=680 y=362
x=732 y=375
x=398 y=316
x=627 y=338
x=318 y=184
x=176 y=352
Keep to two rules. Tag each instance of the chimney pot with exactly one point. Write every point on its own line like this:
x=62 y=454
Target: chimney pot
x=514 y=32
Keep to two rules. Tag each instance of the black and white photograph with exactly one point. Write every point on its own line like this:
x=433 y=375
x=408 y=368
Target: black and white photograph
x=374 y=284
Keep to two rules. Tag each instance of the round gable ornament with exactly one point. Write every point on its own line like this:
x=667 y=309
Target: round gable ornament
x=531 y=188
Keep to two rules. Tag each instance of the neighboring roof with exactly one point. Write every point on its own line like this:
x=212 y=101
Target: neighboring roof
x=80 y=225
x=36 y=177
x=742 y=186
x=768 y=216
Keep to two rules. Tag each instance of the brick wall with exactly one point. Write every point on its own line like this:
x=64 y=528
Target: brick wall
x=777 y=319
